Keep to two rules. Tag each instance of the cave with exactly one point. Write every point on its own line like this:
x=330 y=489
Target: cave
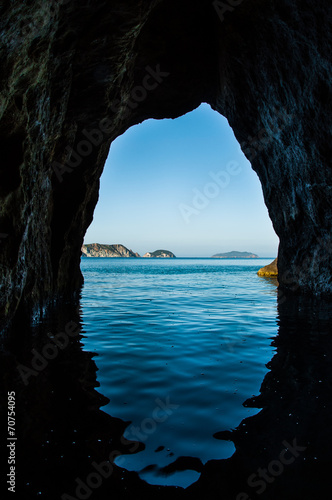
x=76 y=75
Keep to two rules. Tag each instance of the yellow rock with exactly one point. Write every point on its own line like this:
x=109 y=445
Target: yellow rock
x=269 y=270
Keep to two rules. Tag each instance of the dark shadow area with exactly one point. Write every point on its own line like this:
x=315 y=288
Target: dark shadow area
x=64 y=439
x=12 y=152
x=295 y=398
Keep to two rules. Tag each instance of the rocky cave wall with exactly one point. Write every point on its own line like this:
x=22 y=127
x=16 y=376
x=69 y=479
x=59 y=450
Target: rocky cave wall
x=76 y=74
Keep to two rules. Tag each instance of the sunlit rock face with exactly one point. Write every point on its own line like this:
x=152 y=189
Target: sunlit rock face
x=271 y=270
x=76 y=74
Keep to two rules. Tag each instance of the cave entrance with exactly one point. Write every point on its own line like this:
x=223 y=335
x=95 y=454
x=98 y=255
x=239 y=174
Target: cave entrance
x=181 y=342
x=183 y=185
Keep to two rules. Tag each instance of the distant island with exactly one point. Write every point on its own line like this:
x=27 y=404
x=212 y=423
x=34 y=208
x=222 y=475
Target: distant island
x=98 y=250
x=235 y=255
x=163 y=254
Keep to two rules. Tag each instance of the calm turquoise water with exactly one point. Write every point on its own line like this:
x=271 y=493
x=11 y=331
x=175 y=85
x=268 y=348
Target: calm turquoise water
x=195 y=333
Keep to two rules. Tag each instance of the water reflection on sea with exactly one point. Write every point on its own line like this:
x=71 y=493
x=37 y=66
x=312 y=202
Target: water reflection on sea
x=66 y=432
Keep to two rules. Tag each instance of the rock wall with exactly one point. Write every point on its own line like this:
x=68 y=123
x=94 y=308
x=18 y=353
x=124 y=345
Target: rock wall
x=76 y=74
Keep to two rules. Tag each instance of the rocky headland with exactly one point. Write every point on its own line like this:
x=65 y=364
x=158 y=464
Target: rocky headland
x=98 y=250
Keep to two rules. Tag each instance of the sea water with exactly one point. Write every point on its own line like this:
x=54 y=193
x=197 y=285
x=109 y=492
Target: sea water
x=180 y=344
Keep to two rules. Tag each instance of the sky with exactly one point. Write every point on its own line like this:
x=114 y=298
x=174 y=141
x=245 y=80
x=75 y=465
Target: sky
x=182 y=185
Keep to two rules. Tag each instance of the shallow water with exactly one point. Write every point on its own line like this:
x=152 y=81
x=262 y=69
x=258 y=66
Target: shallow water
x=194 y=332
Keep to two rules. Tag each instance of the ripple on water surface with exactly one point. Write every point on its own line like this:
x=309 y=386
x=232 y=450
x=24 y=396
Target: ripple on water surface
x=194 y=334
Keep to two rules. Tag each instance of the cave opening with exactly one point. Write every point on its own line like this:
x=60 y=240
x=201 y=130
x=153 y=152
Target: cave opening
x=183 y=186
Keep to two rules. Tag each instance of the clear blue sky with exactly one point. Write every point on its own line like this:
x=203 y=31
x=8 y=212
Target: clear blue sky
x=182 y=185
